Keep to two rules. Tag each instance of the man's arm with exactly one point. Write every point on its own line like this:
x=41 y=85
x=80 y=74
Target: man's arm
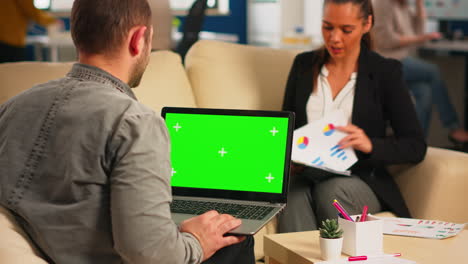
x=142 y=227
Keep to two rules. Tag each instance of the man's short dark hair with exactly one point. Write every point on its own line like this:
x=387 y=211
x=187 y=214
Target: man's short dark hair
x=100 y=26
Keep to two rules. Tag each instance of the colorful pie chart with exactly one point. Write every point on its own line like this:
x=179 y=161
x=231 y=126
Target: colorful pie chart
x=328 y=130
x=302 y=142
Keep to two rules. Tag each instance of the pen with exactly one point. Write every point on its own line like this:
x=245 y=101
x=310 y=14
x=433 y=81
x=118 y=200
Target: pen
x=342 y=211
x=359 y=258
x=364 y=213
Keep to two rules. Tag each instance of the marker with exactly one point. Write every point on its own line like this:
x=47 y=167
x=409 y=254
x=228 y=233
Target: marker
x=342 y=211
x=359 y=258
x=364 y=213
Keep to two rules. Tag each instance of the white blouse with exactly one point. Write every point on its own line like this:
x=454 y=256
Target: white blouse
x=321 y=100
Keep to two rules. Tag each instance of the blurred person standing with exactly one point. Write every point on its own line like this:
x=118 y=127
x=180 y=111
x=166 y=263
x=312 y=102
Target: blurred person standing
x=398 y=31
x=15 y=16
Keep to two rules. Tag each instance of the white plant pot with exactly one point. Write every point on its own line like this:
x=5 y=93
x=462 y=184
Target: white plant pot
x=331 y=248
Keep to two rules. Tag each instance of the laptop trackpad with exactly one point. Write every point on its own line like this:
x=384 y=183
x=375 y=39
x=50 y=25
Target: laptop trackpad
x=248 y=226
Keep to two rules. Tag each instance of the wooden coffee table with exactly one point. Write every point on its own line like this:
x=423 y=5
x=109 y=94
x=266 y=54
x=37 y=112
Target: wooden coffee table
x=303 y=248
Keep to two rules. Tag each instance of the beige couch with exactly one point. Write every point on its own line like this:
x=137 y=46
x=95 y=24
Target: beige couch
x=223 y=75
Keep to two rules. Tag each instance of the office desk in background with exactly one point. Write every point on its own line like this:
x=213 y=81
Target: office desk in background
x=452 y=48
x=447 y=46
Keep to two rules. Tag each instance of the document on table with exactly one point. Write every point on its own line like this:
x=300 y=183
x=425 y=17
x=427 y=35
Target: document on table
x=420 y=228
x=381 y=260
x=316 y=145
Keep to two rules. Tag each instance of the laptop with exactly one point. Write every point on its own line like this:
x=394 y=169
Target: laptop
x=233 y=161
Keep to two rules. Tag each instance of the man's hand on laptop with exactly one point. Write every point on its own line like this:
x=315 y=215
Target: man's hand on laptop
x=210 y=228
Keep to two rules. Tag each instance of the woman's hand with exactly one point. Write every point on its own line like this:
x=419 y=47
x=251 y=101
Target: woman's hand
x=356 y=138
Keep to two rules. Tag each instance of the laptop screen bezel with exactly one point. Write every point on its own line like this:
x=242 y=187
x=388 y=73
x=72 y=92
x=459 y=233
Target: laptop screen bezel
x=240 y=195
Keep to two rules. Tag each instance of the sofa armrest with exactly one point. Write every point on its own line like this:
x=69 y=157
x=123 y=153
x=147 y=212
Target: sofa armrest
x=15 y=246
x=436 y=188
x=17 y=77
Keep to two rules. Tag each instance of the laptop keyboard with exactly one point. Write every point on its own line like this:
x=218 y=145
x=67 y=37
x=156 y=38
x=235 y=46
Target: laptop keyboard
x=242 y=211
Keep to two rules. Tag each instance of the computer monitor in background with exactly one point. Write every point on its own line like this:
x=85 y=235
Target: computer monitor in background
x=447 y=9
x=450 y=16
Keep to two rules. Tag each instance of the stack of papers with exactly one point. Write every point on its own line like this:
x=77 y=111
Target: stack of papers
x=316 y=145
x=420 y=228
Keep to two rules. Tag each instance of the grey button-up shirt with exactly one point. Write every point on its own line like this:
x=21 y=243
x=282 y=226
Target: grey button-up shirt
x=86 y=170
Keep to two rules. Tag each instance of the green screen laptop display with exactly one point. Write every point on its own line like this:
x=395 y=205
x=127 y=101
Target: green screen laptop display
x=237 y=153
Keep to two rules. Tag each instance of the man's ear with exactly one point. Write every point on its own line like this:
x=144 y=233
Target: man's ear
x=137 y=40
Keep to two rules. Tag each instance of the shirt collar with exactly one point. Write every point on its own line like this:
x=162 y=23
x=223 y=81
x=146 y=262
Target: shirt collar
x=91 y=73
x=324 y=72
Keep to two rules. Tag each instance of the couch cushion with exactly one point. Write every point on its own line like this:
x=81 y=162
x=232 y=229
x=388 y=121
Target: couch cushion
x=430 y=187
x=14 y=244
x=226 y=75
x=165 y=83
x=19 y=76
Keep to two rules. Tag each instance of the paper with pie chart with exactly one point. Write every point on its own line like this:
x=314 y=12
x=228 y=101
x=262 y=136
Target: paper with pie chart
x=316 y=144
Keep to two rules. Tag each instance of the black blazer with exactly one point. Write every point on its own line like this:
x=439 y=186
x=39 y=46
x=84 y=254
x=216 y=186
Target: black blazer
x=381 y=100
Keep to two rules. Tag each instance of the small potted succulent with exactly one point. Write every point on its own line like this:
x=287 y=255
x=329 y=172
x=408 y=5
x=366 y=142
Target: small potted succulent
x=331 y=239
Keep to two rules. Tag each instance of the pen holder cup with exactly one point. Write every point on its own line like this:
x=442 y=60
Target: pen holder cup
x=362 y=238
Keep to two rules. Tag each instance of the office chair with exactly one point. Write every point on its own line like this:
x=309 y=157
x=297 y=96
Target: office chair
x=192 y=27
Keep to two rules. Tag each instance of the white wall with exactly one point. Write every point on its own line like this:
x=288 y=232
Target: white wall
x=268 y=22
x=313 y=19
x=60 y=5
x=263 y=20
x=292 y=15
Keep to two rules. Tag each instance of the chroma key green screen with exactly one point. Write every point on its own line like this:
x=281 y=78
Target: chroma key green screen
x=238 y=153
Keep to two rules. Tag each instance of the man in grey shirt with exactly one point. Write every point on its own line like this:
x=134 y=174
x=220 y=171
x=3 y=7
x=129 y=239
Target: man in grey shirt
x=85 y=168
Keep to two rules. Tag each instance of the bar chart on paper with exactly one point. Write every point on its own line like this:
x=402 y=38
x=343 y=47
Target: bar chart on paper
x=316 y=145
x=420 y=228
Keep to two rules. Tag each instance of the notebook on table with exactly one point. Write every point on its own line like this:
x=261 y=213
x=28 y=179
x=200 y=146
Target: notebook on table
x=233 y=161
